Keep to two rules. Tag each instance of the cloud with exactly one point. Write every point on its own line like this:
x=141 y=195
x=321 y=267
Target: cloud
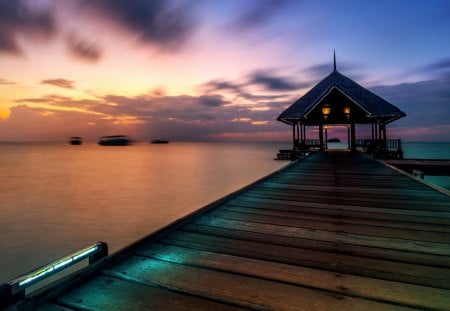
x=82 y=49
x=272 y=82
x=260 y=12
x=67 y=84
x=210 y=116
x=426 y=104
x=439 y=69
x=166 y=24
x=443 y=64
x=17 y=19
x=211 y=100
x=184 y=117
x=6 y=82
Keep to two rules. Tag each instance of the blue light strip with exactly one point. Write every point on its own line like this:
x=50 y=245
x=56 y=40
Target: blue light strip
x=60 y=264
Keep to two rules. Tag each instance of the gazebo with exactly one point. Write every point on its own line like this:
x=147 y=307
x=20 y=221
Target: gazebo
x=338 y=100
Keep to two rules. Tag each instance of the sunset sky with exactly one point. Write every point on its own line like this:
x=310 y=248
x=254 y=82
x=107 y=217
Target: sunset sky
x=211 y=70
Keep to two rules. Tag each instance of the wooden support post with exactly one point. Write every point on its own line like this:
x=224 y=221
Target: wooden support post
x=353 y=137
x=321 y=136
x=379 y=133
x=301 y=133
x=348 y=136
x=293 y=136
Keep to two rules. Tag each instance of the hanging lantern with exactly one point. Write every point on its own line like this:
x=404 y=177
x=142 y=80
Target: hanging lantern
x=326 y=109
x=347 y=111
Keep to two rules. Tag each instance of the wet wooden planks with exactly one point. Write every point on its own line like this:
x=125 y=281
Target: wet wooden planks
x=335 y=231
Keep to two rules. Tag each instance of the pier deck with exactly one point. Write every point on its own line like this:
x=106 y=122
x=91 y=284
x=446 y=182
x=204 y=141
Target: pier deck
x=335 y=231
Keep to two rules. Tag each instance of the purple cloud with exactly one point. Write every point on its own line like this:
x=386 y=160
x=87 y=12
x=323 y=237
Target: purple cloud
x=18 y=19
x=82 y=49
x=260 y=12
x=274 y=83
x=67 y=84
x=167 y=24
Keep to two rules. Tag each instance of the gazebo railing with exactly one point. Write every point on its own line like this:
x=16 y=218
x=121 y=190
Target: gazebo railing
x=383 y=149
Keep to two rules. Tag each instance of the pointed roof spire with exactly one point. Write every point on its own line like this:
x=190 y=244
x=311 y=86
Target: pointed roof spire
x=334 y=56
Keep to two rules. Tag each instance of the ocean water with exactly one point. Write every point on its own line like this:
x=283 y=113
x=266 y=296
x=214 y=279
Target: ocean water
x=429 y=150
x=56 y=198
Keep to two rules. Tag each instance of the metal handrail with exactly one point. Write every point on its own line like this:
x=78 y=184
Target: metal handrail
x=14 y=290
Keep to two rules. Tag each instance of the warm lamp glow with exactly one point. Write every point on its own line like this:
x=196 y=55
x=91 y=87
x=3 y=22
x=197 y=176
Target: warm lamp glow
x=347 y=111
x=326 y=111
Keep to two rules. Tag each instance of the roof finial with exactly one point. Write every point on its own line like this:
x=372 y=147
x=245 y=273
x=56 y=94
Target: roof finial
x=334 y=56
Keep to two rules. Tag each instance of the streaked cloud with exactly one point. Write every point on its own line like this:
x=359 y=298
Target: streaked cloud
x=176 y=117
x=67 y=84
x=6 y=82
x=271 y=86
x=259 y=12
x=83 y=49
x=272 y=82
x=19 y=20
x=166 y=24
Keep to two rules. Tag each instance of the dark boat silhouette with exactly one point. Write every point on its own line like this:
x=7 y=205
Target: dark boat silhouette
x=334 y=140
x=160 y=141
x=76 y=140
x=114 y=140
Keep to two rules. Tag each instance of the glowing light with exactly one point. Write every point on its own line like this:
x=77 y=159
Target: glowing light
x=347 y=111
x=241 y=120
x=55 y=266
x=326 y=111
x=260 y=122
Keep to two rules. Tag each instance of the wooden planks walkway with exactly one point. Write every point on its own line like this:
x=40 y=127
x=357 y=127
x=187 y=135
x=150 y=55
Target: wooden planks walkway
x=335 y=231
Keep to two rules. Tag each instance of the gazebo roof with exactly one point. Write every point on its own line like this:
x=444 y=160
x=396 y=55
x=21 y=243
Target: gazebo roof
x=337 y=90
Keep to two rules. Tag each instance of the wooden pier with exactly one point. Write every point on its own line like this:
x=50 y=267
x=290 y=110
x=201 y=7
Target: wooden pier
x=334 y=231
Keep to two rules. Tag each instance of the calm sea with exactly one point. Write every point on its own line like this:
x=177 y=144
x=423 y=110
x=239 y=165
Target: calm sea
x=57 y=198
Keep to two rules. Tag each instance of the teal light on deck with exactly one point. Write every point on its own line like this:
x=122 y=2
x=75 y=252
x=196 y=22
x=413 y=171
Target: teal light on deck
x=15 y=289
x=59 y=264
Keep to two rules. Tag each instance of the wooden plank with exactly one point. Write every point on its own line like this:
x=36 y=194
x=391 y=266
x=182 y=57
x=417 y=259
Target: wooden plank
x=344 y=284
x=398 y=211
x=238 y=289
x=345 y=189
x=349 y=211
x=109 y=293
x=410 y=203
x=337 y=216
x=380 y=194
x=335 y=226
x=349 y=264
x=324 y=246
x=322 y=235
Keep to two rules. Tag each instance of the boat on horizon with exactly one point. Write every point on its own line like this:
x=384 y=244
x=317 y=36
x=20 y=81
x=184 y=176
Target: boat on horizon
x=114 y=140
x=160 y=141
x=334 y=140
x=76 y=140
